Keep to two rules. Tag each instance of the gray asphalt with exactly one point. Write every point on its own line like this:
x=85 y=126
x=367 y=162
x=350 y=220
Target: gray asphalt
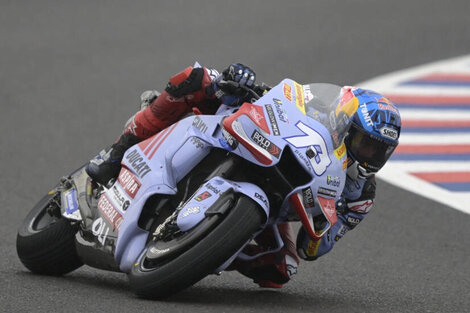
x=70 y=76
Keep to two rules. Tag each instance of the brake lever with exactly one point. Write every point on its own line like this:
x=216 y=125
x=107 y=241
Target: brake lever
x=235 y=85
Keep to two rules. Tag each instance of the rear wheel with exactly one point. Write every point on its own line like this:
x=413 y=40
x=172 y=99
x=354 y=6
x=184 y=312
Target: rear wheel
x=46 y=241
x=212 y=242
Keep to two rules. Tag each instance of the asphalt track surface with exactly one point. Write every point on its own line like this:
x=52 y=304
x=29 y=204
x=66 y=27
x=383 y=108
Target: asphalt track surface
x=71 y=74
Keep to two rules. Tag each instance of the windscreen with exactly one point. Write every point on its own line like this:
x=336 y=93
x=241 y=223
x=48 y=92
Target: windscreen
x=332 y=106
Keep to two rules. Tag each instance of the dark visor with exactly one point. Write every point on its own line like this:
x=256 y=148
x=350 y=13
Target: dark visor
x=370 y=151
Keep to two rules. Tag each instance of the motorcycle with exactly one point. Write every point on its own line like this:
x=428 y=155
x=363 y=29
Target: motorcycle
x=190 y=198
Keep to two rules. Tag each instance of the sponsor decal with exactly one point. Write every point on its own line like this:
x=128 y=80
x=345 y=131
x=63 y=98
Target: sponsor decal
x=303 y=158
x=353 y=221
x=256 y=115
x=341 y=232
x=385 y=104
x=327 y=192
x=308 y=95
x=212 y=188
x=333 y=181
x=291 y=267
x=129 y=182
x=100 y=230
x=199 y=124
x=307 y=196
x=262 y=198
x=198 y=143
x=264 y=143
x=138 y=164
x=361 y=206
x=110 y=212
x=340 y=152
x=345 y=164
x=299 y=97
x=329 y=207
x=388 y=108
x=203 y=196
x=120 y=199
x=213 y=73
x=191 y=210
x=287 y=92
x=71 y=204
x=272 y=120
x=366 y=115
x=281 y=113
x=228 y=141
x=389 y=133
x=312 y=248
x=154 y=250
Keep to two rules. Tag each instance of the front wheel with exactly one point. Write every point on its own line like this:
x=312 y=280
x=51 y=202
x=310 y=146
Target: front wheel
x=217 y=245
x=46 y=241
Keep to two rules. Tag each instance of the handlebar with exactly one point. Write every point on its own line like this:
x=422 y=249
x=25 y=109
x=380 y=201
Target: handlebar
x=236 y=86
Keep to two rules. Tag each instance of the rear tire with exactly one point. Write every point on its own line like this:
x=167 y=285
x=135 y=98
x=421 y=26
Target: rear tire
x=203 y=258
x=46 y=243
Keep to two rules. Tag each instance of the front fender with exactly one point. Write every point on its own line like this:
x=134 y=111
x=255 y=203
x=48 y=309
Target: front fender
x=195 y=209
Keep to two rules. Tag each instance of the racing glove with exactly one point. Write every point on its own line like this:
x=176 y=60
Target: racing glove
x=228 y=86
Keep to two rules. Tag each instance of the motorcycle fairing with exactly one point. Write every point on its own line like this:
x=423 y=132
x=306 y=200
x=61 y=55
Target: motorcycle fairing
x=195 y=208
x=310 y=142
x=158 y=163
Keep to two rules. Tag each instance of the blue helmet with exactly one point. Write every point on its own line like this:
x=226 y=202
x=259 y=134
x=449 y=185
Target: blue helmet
x=374 y=132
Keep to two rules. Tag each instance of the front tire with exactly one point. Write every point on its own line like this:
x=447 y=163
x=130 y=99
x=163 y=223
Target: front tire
x=46 y=241
x=202 y=259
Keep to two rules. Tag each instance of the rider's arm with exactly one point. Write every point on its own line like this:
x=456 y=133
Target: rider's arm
x=185 y=90
x=350 y=213
x=191 y=88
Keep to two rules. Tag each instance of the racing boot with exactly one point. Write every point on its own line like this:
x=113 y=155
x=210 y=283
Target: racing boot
x=107 y=165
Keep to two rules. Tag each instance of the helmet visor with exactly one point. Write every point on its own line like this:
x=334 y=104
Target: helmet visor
x=370 y=151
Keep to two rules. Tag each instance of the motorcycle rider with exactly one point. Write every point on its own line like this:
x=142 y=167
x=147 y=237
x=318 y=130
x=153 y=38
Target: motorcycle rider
x=372 y=138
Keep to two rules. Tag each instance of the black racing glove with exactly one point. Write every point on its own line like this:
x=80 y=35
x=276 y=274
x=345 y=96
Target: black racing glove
x=231 y=85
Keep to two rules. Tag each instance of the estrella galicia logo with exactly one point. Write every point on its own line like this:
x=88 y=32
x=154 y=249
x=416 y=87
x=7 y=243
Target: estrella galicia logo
x=203 y=196
x=333 y=181
x=327 y=192
x=264 y=143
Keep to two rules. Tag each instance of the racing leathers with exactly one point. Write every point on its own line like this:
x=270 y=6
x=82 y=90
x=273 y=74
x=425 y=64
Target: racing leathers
x=195 y=90
x=357 y=200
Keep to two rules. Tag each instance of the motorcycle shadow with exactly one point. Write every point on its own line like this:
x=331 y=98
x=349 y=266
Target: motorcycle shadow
x=87 y=278
x=252 y=299
x=215 y=291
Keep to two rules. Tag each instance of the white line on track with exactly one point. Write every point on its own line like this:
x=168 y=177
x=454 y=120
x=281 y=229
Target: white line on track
x=429 y=114
x=399 y=176
x=435 y=138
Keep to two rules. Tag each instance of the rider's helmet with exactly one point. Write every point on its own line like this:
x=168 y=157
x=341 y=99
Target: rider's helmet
x=373 y=135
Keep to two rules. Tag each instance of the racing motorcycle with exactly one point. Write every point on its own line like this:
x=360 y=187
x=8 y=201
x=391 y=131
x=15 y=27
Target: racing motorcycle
x=190 y=198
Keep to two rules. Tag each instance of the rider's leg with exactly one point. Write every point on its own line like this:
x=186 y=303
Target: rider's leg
x=107 y=164
x=274 y=269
